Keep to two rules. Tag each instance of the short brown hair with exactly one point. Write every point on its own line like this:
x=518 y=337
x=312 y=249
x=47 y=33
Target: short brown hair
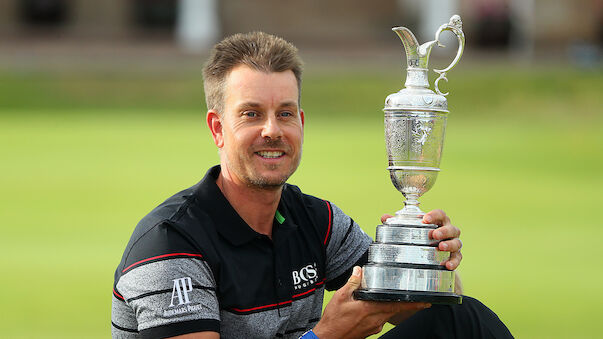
x=258 y=50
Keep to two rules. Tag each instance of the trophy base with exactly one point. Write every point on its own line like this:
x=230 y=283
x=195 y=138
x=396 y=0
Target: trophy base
x=408 y=296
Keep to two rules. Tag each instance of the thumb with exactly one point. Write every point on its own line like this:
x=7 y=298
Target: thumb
x=353 y=282
x=385 y=217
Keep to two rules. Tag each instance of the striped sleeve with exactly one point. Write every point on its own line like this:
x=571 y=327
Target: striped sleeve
x=169 y=295
x=346 y=243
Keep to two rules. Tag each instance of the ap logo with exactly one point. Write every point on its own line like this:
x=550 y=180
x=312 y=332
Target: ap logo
x=180 y=291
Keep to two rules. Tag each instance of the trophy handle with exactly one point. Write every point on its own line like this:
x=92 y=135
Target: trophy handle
x=456 y=27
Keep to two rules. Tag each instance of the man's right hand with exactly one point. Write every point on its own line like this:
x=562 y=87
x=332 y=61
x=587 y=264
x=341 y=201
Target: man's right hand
x=346 y=317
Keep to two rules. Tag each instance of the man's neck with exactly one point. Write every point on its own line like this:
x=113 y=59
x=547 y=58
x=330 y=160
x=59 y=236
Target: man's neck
x=256 y=206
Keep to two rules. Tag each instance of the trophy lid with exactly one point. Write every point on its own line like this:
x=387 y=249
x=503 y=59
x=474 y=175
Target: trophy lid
x=417 y=96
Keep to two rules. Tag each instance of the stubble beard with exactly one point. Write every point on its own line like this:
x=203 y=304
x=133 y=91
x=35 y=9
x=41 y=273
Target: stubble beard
x=257 y=181
x=271 y=184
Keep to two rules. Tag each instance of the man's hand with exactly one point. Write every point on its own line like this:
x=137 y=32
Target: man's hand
x=345 y=317
x=446 y=233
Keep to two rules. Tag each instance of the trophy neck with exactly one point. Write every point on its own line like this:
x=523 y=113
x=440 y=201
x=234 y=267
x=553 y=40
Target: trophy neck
x=411 y=206
x=417 y=58
x=411 y=214
x=417 y=78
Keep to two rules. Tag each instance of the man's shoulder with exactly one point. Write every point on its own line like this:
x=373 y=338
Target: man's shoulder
x=163 y=266
x=162 y=231
x=175 y=207
x=169 y=211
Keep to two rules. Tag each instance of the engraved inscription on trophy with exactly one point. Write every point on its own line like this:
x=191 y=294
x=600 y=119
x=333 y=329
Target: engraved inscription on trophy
x=404 y=263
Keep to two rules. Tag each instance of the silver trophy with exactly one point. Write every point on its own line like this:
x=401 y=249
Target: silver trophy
x=404 y=263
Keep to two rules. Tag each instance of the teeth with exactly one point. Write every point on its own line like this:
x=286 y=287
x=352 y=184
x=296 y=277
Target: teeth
x=266 y=154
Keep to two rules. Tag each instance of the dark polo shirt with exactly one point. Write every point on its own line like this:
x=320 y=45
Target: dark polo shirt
x=192 y=264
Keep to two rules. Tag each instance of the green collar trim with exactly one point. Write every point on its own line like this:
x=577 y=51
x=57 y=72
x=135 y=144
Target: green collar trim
x=279 y=217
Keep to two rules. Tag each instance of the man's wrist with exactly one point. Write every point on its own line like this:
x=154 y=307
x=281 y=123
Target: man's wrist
x=309 y=335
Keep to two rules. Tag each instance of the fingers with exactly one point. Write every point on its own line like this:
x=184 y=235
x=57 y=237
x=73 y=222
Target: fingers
x=452 y=245
x=437 y=217
x=385 y=217
x=378 y=313
x=403 y=307
x=445 y=232
x=394 y=307
x=353 y=282
x=448 y=235
x=394 y=312
x=454 y=261
x=346 y=317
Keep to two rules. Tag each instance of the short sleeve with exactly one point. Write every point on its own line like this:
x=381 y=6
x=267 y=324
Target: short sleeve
x=347 y=244
x=169 y=295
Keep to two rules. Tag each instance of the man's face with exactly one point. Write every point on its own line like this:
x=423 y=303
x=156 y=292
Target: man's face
x=261 y=128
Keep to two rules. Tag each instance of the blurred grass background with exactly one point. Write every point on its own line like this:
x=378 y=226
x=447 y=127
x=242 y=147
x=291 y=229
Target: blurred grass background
x=86 y=153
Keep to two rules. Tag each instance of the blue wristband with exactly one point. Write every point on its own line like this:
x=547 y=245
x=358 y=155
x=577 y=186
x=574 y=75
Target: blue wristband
x=309 y=335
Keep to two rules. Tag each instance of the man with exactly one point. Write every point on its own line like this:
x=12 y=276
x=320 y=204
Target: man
x=242 y=254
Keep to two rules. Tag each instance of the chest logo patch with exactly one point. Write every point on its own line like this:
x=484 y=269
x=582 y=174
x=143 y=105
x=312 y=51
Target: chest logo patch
x=305 y=276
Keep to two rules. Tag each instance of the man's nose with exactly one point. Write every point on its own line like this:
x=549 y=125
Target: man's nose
x=272 y=128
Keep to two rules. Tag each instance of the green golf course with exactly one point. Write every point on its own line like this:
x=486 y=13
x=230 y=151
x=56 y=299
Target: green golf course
x=85 y=154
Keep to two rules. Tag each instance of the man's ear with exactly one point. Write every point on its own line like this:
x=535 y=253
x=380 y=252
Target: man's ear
x=214 y=122
x=303 y=116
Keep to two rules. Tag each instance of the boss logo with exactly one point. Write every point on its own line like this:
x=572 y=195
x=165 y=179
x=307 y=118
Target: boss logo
x=305 y=276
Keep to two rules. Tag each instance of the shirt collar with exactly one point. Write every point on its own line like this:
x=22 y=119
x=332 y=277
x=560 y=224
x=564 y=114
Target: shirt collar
x=228 y=222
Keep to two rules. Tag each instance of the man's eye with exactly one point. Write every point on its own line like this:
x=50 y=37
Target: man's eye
x=250 y=114
x=286 y=114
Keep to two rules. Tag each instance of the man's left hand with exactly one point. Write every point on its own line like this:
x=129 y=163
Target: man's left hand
x=447 y=233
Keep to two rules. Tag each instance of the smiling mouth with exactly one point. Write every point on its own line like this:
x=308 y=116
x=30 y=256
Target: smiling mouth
x=270 y=154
